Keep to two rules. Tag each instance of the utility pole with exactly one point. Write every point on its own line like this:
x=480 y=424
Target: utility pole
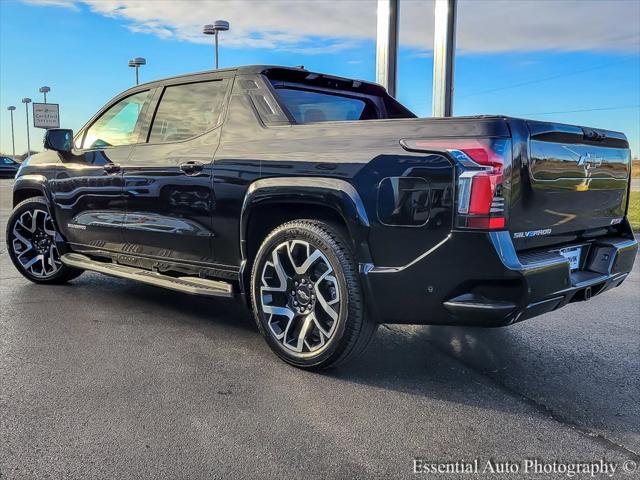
x=387 y=45
x=444 y=49
x=26 y=102
x=11 y=108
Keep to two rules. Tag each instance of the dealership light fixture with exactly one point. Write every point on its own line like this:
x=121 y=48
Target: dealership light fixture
x=44 y=90
x=218 y=26
x=136 y=63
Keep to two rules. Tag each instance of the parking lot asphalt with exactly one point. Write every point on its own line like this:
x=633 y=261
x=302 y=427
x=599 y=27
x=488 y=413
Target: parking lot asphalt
x=105 y=378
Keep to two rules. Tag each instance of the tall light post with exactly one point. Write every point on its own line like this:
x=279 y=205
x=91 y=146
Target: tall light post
x=444 y=51
x=11 y=108
x=45 y=90
x=218 y=26
x=26 y=102
x=387 y=44
x=137 y=63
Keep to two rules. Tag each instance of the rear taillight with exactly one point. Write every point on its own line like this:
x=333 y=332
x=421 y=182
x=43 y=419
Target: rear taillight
x=480 y=166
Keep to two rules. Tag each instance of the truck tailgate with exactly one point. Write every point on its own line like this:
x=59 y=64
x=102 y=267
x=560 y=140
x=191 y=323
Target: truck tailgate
x=574 y=179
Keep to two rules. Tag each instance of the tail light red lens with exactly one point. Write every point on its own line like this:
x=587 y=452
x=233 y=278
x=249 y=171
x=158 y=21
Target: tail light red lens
x=480 y=166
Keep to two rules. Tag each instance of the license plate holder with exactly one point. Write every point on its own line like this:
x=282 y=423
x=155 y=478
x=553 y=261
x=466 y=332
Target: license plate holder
x=572 y=254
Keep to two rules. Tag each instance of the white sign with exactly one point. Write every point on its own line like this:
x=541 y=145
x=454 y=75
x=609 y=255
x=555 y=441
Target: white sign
x=46 y=115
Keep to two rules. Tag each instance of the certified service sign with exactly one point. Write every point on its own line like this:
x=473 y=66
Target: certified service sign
x=46 y=115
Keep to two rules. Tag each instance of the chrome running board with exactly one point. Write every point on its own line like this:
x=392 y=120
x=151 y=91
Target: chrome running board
x=192 y=285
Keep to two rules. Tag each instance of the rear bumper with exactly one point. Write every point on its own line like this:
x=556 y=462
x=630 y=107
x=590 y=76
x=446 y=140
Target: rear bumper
x=479 y=279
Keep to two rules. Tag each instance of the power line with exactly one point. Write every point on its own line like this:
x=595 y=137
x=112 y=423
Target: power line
x=582 y=110
x=546 y=79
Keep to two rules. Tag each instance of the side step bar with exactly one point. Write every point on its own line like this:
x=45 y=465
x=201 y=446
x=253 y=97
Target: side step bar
x=192 y=285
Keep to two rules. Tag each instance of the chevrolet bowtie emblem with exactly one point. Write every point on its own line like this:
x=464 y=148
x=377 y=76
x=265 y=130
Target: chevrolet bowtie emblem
x=587 y=160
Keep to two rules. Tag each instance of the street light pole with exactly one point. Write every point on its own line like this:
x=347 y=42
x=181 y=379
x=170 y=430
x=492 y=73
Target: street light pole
x=387 y=45
x=444 y=49
x=26 y=102
x=11 y=108
x=217 y=27
x=216 y=38
x=45 y=90
x=137 y=63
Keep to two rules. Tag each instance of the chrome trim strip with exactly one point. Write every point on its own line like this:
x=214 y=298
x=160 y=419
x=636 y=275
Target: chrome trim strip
x=413 y=262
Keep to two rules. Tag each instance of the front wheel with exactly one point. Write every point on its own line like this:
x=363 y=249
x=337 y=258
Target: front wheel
x=31 y=243
x=307 y=297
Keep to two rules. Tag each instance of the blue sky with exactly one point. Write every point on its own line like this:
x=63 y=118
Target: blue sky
x=570 y=61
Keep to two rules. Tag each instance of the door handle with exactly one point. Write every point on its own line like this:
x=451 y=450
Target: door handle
x=191 y=168
x=112 y=168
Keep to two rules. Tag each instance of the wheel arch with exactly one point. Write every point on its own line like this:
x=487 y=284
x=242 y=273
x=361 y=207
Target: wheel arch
x=29 y=186
x=273 y=201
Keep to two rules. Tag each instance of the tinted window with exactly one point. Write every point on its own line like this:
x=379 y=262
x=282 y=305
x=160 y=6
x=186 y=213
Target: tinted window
x=308 y=107
x=117 y=126
x=188 y=110
x=7 y=161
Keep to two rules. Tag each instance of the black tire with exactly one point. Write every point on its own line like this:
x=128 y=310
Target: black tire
x=351 y=331
x=57 y=273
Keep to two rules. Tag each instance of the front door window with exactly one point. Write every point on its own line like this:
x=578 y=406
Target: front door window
x=118 y=125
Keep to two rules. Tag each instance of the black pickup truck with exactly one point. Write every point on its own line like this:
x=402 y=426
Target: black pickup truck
x=327 y=206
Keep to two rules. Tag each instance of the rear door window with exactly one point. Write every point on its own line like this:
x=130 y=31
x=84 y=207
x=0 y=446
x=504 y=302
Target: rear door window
x=309 y=106
x=188 y=110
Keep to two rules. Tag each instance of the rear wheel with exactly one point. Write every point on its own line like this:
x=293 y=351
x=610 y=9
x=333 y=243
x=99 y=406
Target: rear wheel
x=31 y=243
x=307 y=297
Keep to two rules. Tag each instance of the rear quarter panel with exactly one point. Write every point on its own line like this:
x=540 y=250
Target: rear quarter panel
x=360 y=152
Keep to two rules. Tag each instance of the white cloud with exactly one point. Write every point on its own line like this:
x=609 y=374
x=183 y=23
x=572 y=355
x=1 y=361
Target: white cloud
x=322 y=26
x=574 y=25
x=53 y=3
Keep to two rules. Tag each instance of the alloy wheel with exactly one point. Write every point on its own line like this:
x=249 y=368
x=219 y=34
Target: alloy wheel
x=34 y=244
x=300 y=296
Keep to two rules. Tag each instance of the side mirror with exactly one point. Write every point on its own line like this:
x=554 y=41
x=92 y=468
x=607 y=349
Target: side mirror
x=58 y=139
